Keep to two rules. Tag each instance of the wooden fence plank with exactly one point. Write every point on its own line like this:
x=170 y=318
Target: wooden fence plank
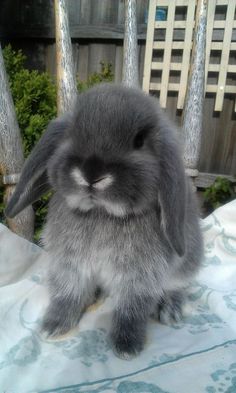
x=165 y=3
x=149 y=45
x=218 y=149
x=228 y=23
x=175 y=87
x=186 y=54
x=167 y=53
x=180 y=45
x=210 y=22
x=216 y=68
x=118 y=63
x=84 y=12
x=177 y=24
x=99 y=52
x=104 y=12
x=156 y=65
x=161 y=45
x=82 y=65
x=220 y=24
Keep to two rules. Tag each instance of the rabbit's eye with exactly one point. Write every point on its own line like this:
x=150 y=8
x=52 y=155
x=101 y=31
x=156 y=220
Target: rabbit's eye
x=139 y=140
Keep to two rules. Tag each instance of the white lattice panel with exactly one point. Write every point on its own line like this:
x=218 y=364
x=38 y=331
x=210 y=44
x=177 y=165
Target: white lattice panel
x=169 y=43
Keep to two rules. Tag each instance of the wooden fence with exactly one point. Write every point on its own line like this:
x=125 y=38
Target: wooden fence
x=97 y=28
x=170 y=43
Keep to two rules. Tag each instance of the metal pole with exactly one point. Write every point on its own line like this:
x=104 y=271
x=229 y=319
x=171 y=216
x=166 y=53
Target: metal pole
x=11 y=155
x=193 y=111
x=66 y=81
x=130 y=74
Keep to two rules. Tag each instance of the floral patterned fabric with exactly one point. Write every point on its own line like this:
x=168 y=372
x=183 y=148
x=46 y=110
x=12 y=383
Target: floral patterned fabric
x=197 y=355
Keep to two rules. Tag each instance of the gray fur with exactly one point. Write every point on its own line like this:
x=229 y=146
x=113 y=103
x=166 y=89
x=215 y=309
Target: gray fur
x=34 y=181
x=136 y=236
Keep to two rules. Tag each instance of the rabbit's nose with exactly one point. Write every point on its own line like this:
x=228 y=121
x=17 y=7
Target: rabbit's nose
x=93 y=169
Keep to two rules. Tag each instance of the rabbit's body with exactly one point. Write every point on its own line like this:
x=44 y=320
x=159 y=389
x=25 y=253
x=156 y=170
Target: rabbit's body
x=108 y=252
x=123 y=218
x=121 y=256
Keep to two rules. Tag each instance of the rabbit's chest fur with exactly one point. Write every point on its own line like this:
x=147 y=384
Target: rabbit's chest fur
x=106 y=251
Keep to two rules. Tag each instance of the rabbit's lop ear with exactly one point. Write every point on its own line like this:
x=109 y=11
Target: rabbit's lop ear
x=34 y=181
x=172 y=192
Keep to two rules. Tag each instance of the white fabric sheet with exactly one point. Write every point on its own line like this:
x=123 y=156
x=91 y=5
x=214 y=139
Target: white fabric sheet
x=196 y=355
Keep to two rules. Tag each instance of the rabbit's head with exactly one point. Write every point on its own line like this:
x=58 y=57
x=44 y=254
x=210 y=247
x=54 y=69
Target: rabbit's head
x=116 y=153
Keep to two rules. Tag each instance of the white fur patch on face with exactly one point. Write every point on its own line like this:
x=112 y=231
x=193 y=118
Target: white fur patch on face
x=100 y=185
x=104 y=183
x=74 y=202
x=78 y=177
x=114 y=209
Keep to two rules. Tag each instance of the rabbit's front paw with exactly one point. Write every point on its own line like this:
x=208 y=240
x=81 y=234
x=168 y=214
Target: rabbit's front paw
x=169 y=308
x=127 y=340
x=127 y=348
x=54 y=326
x=61 y=316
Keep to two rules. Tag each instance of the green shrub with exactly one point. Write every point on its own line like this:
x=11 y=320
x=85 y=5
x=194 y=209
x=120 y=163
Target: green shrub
x=35 y=102
x=14 y=61
x=219 y=193
x=105 y=75
x=34 y=96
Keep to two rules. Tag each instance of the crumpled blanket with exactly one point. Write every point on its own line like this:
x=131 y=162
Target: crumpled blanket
x=196 y=355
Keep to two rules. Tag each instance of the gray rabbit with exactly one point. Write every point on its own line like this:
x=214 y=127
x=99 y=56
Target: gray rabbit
x=122 y=220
